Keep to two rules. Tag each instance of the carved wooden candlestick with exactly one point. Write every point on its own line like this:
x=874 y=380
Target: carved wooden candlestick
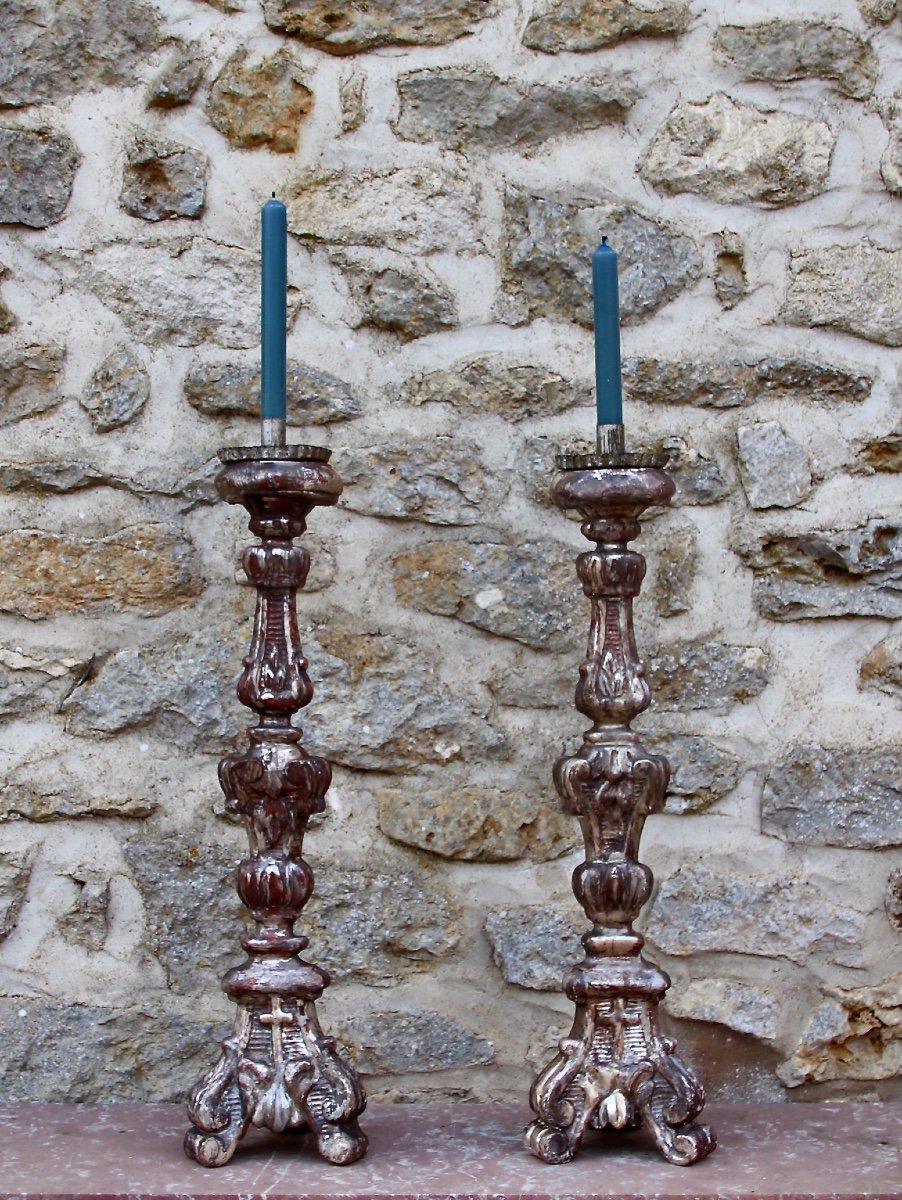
x=615 y=1069
x=278 y=1069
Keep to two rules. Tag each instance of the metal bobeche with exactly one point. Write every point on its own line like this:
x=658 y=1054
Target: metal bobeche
x=277 y=1069
x=615 y=1069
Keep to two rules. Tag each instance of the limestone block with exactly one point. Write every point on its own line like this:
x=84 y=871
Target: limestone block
x=701 y=772
x=87 y=923
x=116 y=392
x=29 y=795
x=350 y=26
x=187 y=480
x=775 y=469
x=675 y=569
x=737 y=153
x=352 y=97
x=880 y=10
x=731 y=383
x=184 y=290
x=534 y=945
x=91 y=1054
x=852 y=288
x=881 y=455
x=892 y=901
x=546 y=257
x=700 y=673
x=29 y=682
x=50 y=51
x=230 y=388
x=15 y=875
x=786 y=50
x=457 y=107
x=735 y=1003
x=492 y=384
x=698 y=478
x=392 y=1042
x=37 y=170
x=827 y=573
x=162 y=180
x=564 y=25
x=30 y=378
x=835 y=796
x=418 y=210
x=476 y=824
x=255 y=104
x=891 y=162
x=524 y=592
x=408 y=303
x=730 y=282
x=441 y=481
x=708 y=908
x=856 y=1033
x=146 y=568
x=179 y=79
x=881 y=667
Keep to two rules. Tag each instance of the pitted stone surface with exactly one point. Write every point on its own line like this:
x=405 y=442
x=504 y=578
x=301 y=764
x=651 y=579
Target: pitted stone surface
x=732 y=382
x=87 y=923
x=730 y=281
x=850 y=288
x=675 y=569
x=705 y=674
x=394 y=1041
x=701 y=908
x=827 y=573
x=775 y=469
x=892 y=901
x=37 y=170
x=736 y=153
x=732 y=1002
x=29 y=683
x=116 y=392
x=842 y=796
x=491 y=384
x=408 y=303
x=260 y=103
x=342 y=27
x=562 y=25
x=30 y=379
x=881 y=667
x=15 y=874
x=478 y=109
x=547 y=249
x=701 y=771
x=230 y=388
x=441 y=481
x=22 y=798
x=476 y=824
x=787 y=50
x=534 y=945
x=163 y=180
x=179 y=79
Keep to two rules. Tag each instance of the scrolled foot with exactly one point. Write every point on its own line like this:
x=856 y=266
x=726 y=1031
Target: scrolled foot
x=341 y=1144
x=550 y=1144
x=211 y=1149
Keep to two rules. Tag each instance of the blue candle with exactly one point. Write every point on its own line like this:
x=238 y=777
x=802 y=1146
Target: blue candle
x=274 y=285
x=609 y=397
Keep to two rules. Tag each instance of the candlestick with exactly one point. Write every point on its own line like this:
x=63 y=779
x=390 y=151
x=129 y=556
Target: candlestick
x=274 y=312
x=615 y=1069
x=609 y=395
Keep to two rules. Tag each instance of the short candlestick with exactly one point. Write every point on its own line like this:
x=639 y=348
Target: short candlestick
x=615 y=1069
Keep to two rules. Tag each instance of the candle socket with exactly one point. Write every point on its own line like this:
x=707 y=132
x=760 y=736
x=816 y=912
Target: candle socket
x=272 y=431
x=277 y=1069
x=610 y=440
x=615 y=1069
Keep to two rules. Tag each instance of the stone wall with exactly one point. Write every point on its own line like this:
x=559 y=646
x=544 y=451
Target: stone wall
x=448 y=169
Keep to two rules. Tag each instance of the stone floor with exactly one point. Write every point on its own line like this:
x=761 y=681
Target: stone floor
x=766 y=1151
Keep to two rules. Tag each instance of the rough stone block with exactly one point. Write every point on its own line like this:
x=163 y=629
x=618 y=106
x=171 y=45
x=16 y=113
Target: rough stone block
x=87 y=923
x=259 y=104
x=567 y=25
x=476 y=824
x=533 y=945
x=881 y=667
x=707 y=908
x=892 y=901
x=37 y=170
x=408 y=303
x=350 y=26
x=393 y=1042
x=116 y=392
x=701 y=772
x=783 y=51
x=29 y=682
x=491 y=384
x=50 y=51
x=827 y=573
x=852 y=288
x=731 y=383
x=675 y=568
x=162 y=180
x=417 y=210
x=146 y=568
x=842 y=796
x=474 y=108
x=546 y=257
x=441 y=481
x=891 y=161
x=232 y=388
x=701 y=673
x=730 y=282
x=737 y=153
x=29 y=795
x=775 y=469
x=30 y=378
x=179 y=79
x=15 y=875
x=739 y=1005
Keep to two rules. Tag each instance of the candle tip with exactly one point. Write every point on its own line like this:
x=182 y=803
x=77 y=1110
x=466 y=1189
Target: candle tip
x=274 y=195
x=604 y=236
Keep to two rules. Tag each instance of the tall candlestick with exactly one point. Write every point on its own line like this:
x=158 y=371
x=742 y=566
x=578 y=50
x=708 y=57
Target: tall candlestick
x=273 y=296
x=609 y=397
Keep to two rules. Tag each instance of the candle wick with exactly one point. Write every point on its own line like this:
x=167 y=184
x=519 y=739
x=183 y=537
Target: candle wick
x=274 y=196
x=604 y=236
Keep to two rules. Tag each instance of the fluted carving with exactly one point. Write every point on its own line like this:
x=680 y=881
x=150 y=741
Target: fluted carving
x=616 y=1069
x=278 y=1069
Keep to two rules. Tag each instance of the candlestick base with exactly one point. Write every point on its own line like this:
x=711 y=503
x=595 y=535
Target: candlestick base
x=278 y=1069
x=615 y=1070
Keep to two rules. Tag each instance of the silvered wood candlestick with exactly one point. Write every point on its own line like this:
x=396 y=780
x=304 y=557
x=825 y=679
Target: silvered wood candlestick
x=616 y=1069
x=277 y=1069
